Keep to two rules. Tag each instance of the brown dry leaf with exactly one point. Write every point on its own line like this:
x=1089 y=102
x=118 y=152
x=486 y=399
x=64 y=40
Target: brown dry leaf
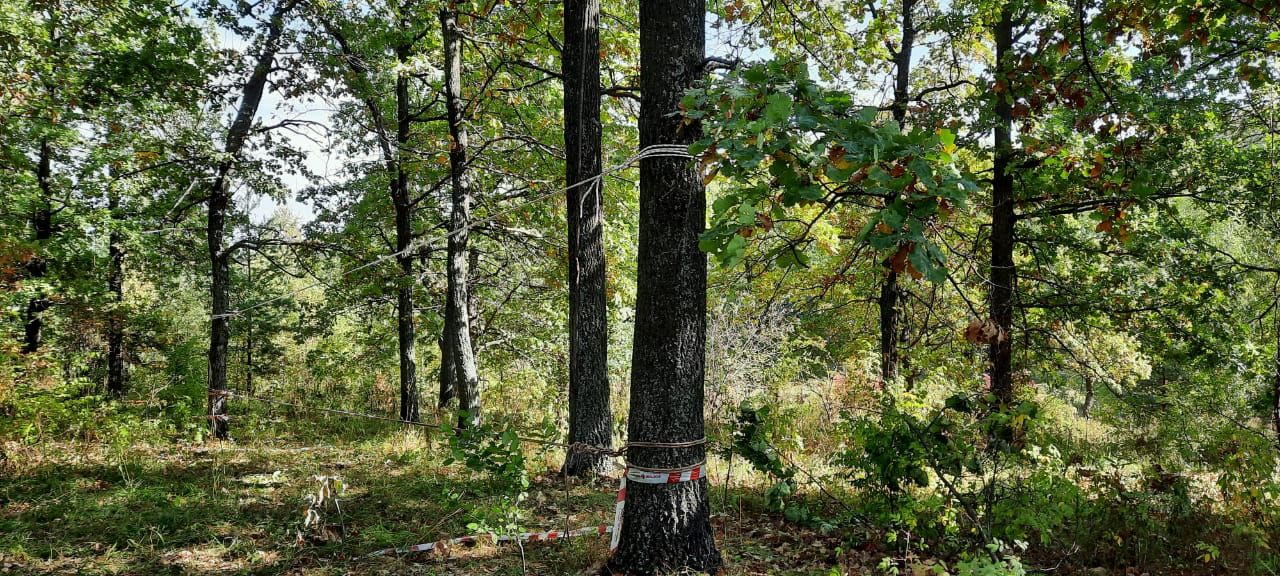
x=765 y=221
x=945 y=210
x=899 y=260
x=973 y=332
x=836 y=154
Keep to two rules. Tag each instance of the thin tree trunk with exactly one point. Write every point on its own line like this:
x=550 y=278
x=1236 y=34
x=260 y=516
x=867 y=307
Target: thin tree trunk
x=590 y=417
x=889 y=318
x=1275 y=383
x=890 y=291
x=219 y=293
x=1087 y=405
x=405 y=329
x=667 y=527
x=1003 y=220
x=42 y=223
x=473 y=300
x=248 y=334
x=401 y=200
x=42 y=218
x=468 y=381
x=219 y=207
x=115 y=286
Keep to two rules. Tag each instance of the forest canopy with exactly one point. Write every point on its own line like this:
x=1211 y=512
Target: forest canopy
x=788 y=286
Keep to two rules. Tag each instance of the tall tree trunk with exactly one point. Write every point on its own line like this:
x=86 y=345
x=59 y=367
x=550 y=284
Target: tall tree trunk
x=248 y=333
x=590 y=417
x=220 y=297
x=1003 y=219
x=219 y=208
x=115 y=286
x=42 y=218
x=405 y=330
x=890 y=291
x=464 y=361
x=667 y=527
x=401 y=200
x=1275 y=382
x=42 y=224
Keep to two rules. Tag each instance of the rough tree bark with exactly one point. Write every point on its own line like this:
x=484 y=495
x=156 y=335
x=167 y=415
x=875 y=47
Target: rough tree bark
x=463 y=357
x=667 y=527
x=219 y=205
x=42 y=225
x=448 y=372
x=590 y=417
x=1003 y=220
x=891 y=290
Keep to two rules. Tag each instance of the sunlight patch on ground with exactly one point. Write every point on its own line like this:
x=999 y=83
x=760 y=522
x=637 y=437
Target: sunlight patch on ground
x=204 y=558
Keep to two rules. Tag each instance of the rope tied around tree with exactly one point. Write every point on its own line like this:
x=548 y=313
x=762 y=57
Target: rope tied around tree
x=585 y=448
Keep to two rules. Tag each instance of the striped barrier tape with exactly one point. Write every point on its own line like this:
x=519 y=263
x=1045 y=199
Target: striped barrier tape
x=617 y=514
x=648 y=476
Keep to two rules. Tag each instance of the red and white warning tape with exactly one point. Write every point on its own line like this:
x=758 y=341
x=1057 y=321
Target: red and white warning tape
x=648 y=476
x=634 y=474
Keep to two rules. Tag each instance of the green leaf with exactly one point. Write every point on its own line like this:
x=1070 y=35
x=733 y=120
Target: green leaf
x=755 y=74
x=894 y=214
x=778 y=109
x=947 y=138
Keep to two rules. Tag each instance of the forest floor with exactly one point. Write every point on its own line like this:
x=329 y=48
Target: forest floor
x=87 y=508
x=219 y=508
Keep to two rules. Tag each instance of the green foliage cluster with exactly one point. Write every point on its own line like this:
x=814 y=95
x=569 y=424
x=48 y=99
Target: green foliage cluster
x=1145 y=156
x=787 y=143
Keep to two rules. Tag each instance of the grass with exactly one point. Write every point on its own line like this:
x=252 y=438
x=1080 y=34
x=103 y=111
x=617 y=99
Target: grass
x=219 y=508
x=166 y=507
